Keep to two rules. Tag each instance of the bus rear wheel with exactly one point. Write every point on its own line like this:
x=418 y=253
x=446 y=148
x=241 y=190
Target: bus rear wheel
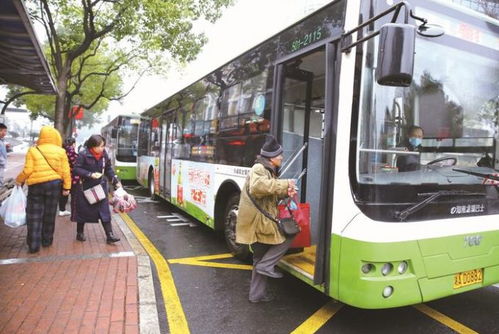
x=150 y=185
x=240 y=251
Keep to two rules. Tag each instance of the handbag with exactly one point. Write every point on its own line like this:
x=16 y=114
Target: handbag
x=96 y=193
x=288 y=226
x=301 y=214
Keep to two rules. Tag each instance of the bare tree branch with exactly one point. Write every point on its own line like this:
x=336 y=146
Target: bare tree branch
x=9 y=101
x=51 y=34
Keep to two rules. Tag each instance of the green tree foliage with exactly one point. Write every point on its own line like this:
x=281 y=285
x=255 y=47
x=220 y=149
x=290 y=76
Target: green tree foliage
x=94 y=44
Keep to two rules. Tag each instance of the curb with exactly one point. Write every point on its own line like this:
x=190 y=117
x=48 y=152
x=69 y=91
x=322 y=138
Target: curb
x=148 y=312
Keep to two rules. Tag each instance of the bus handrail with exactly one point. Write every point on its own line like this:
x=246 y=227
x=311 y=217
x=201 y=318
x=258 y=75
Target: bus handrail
x=292 y=159
x=375 y=150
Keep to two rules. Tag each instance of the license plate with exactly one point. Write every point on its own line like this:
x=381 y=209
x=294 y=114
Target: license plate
x=468 y=278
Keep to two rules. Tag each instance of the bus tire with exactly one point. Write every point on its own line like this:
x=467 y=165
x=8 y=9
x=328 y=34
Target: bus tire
x=150 y=186
x=240 y=251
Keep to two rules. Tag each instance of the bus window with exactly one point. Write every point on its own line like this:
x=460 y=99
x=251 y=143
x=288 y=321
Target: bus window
x=459 y=121
x=144 y=134
x=154 y=138
x=127 y=140
x=228 y=110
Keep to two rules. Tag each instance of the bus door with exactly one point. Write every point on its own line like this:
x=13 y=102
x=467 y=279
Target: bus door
x=167 y=126
x=300 y=114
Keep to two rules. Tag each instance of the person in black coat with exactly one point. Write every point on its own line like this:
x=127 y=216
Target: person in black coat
x=92 y=165
x=413 y=143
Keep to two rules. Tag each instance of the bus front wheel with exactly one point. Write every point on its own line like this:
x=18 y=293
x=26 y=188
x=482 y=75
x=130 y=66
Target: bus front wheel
x=240 y=251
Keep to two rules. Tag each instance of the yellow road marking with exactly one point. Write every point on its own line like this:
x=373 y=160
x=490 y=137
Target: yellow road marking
x=174 y=311
x=201 y=261
x=203 y=258
x=319 y=318
x=443 y=319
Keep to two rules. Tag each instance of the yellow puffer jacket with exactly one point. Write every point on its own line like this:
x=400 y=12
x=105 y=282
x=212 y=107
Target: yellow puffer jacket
x=37 y=170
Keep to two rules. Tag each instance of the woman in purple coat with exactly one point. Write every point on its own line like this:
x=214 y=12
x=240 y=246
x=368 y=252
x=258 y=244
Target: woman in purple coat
x=92 y=165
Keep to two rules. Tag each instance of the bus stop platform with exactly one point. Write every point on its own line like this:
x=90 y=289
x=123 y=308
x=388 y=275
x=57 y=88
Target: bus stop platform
x=73 y=286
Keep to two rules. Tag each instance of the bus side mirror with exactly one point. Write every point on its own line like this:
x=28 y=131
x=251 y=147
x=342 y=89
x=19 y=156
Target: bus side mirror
x=114 y=133
x=396 y=54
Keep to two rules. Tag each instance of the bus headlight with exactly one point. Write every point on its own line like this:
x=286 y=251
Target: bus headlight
x=367 y=268
x=387 y=291
x=402 y=267
x=386 y=269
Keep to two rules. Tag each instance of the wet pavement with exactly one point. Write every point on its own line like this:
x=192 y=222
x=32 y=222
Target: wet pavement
x=214 y=299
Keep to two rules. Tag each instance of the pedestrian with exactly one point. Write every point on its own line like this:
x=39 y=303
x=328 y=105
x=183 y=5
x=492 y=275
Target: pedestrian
x=92 y=165
x=69 y=146
x=3 y=152
x=46 y=167
x=253 y=228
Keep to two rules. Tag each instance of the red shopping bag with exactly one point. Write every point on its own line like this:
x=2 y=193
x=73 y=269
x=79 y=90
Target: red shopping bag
x=302 y=216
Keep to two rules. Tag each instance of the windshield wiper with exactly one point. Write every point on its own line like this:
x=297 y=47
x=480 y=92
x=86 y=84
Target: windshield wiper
x=490 y=176
x=402 y=215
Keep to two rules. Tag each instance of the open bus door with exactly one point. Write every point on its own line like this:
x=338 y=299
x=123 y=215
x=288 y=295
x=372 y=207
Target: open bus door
x=300 y=116
x=165 y=160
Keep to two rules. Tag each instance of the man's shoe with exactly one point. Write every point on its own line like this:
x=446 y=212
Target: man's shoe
x=111 y=239
x=264 y=299
x=64 y=213
x=80 y=237
x=33 y=250
x=273 y=273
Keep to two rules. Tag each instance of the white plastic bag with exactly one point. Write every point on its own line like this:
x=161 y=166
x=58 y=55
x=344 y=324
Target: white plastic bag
x=13 y=209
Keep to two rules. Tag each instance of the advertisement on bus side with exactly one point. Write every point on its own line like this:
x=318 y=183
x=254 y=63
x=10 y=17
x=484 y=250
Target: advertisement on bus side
x=192 y=189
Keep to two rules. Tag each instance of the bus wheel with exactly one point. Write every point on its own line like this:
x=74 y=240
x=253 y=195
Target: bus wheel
x=150 y=184
x=240 y=251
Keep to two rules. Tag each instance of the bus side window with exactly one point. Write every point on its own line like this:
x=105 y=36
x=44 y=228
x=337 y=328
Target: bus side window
x=144 y=134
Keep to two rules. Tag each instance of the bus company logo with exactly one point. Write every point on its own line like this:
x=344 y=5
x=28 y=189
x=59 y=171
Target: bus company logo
x=240 y=171
x=470 y=208
x=472 y=240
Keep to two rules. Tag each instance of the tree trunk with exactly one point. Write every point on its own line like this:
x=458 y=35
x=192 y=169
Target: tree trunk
x=60 y=100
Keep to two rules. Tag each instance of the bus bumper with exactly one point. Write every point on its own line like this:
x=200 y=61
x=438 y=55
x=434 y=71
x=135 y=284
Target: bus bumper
x=372 y=275
x=126 y=173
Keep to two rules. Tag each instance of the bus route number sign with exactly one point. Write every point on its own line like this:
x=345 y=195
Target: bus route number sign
x=306 y=39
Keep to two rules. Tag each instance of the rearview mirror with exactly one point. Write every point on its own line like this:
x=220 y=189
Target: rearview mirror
x=396 y=54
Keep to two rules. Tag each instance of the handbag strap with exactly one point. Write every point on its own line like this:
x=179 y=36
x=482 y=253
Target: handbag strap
x=265 y=213
x=47 y=160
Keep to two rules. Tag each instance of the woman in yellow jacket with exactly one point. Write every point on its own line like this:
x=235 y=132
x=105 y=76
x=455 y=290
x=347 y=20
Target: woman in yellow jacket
x=45 y=169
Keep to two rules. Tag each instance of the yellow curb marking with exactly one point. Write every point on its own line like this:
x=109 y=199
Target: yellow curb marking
x=443 y=319
x=204 y=257
x=201 y=261
x=173 y=308
x=319 y=318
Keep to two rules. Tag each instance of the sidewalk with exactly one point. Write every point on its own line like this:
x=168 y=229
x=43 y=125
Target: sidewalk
x=71 y=286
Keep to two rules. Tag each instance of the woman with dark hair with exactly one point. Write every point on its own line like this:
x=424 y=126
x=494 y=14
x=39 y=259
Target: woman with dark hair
x=69 y=146
x=92 y=165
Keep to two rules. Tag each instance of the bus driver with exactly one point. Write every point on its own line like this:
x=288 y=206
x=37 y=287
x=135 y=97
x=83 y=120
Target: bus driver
x=413 y=143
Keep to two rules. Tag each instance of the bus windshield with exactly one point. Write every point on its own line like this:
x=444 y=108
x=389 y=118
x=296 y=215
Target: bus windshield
x=445 y=122
x=127 y=140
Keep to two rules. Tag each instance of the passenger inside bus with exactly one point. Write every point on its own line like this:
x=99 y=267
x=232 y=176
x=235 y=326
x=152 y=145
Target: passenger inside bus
x=413 y=143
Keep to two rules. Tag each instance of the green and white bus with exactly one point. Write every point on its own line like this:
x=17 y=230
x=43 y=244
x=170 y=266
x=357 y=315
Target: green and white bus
x=121 y=139
x=340 y=89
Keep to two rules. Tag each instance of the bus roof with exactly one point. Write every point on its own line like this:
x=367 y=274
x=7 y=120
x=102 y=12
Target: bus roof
x=153 y=112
